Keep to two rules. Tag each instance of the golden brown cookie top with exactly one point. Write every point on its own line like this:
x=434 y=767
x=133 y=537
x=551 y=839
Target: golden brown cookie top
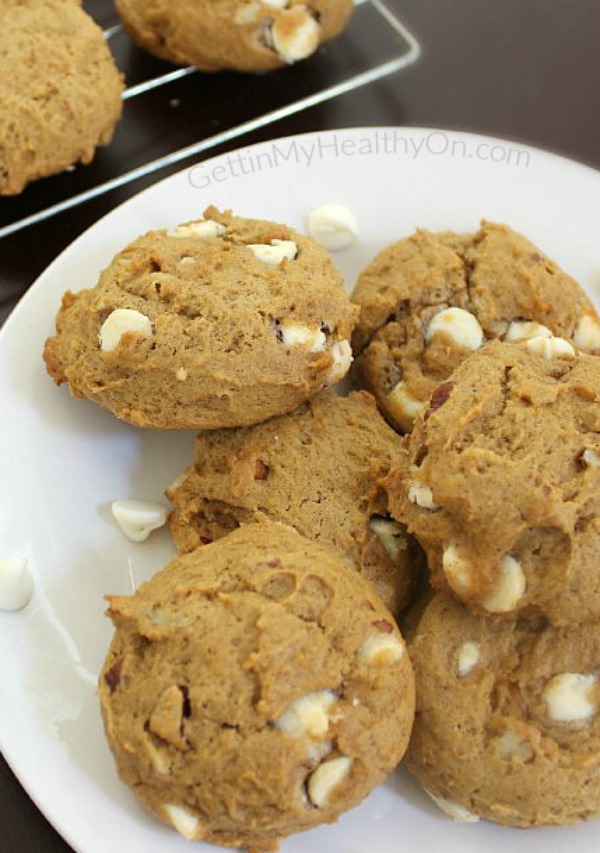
x=60 y=91
x=508 y=716
x=500 y=482
x=430 y=300
x=263 y=656
x=225 y=321
x=244 y=35
x=316 y=468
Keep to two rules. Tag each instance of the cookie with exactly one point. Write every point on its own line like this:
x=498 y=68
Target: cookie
x=430 y=300
x=507 y=725
x=501 y=481
x=221 y=322
x=317 y=469
x=255 y=688
x=60 y=90
x=243 y=35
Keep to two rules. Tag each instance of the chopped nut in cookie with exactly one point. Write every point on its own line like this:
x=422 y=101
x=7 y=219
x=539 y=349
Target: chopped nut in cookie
x=570 y=698
x=122 y=321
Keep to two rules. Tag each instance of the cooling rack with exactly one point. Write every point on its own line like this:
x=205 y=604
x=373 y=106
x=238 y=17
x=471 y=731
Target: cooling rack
x=209 y=110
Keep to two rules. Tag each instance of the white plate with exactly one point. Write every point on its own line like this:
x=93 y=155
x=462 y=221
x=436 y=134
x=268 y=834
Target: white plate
x=62 y=461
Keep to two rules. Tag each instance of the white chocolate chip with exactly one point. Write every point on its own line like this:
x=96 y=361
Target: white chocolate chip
x=455 y=811
x=120 y=321
x=514 y=748
x=157 y=759
x=137 y=519
x=294 y=336
x=295 y=34
x=181 y=374
x=521 y=330
x=341 y=353
x=509 y=589
x=249 y=13
x=460 y=325
x=549 y=347
x=326 y=778
x=275 y=4
x=186 y=823
x=333 y=225
x=307 y=716
x=587 y=332
x=274 y=253
x=421 y=495
x=569 y=697
x=16 y=583
x=402 y=405
x=457 y=570
x=468 y=657
x=205 y=229
x=381 y=650
x=391 y=536
x=591 y=458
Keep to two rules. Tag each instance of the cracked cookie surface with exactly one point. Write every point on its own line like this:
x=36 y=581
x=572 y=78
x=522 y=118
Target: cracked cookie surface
x=507 y=726
x=500 y=483
x=222 y=322
x=254 y=688
x=317 y=469
x=430 y=300
x=243 y=35
x=60 y=90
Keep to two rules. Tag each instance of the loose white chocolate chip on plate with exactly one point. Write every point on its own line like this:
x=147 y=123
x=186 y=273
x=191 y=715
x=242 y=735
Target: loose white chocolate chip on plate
x=186 y=823
x=333 y=225
x=458 y=813
x=137 y=519
x=590 y=458
x=381 y=650
x=16 y=583
x=509 y=589
x=391 y=536
x=459 y=324
x=295 y=34
x=341 y=353
x=205 y=229
x=457 y=569
x=468 y=657
x=549 y=347
x=293 y=336
x=326 y=778
x=275 y=252
x=403 y=407
x=587 y=332
x=569 y=697
x=120 y=321
x=421 y=495
x=308 y=715
x=521 y=330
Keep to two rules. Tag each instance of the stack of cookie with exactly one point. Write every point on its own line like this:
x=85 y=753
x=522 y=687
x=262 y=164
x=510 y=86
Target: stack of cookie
x=464 y=341
x=259 y=684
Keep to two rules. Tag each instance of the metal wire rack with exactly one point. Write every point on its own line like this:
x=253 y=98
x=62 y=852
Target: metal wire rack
x=375 y=45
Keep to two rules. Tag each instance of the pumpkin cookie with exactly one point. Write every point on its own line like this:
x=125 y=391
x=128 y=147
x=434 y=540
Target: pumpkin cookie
x=430 y=300
x=221 y=322
x=254 y=688
x=244 y=35
x=60 y=90
x=508 y=717
x=501 y=481
x=316 y=468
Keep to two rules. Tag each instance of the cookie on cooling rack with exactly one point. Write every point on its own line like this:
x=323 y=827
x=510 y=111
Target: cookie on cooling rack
x=60 y=90
x=317 y=469
x=221 y=322
x=430 y=300
x=254 y=688
x=501 y=482
x=508 y=717
x=244 y=35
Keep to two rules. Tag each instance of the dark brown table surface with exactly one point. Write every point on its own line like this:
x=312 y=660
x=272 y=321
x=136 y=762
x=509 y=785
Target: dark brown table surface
x=524 y=70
